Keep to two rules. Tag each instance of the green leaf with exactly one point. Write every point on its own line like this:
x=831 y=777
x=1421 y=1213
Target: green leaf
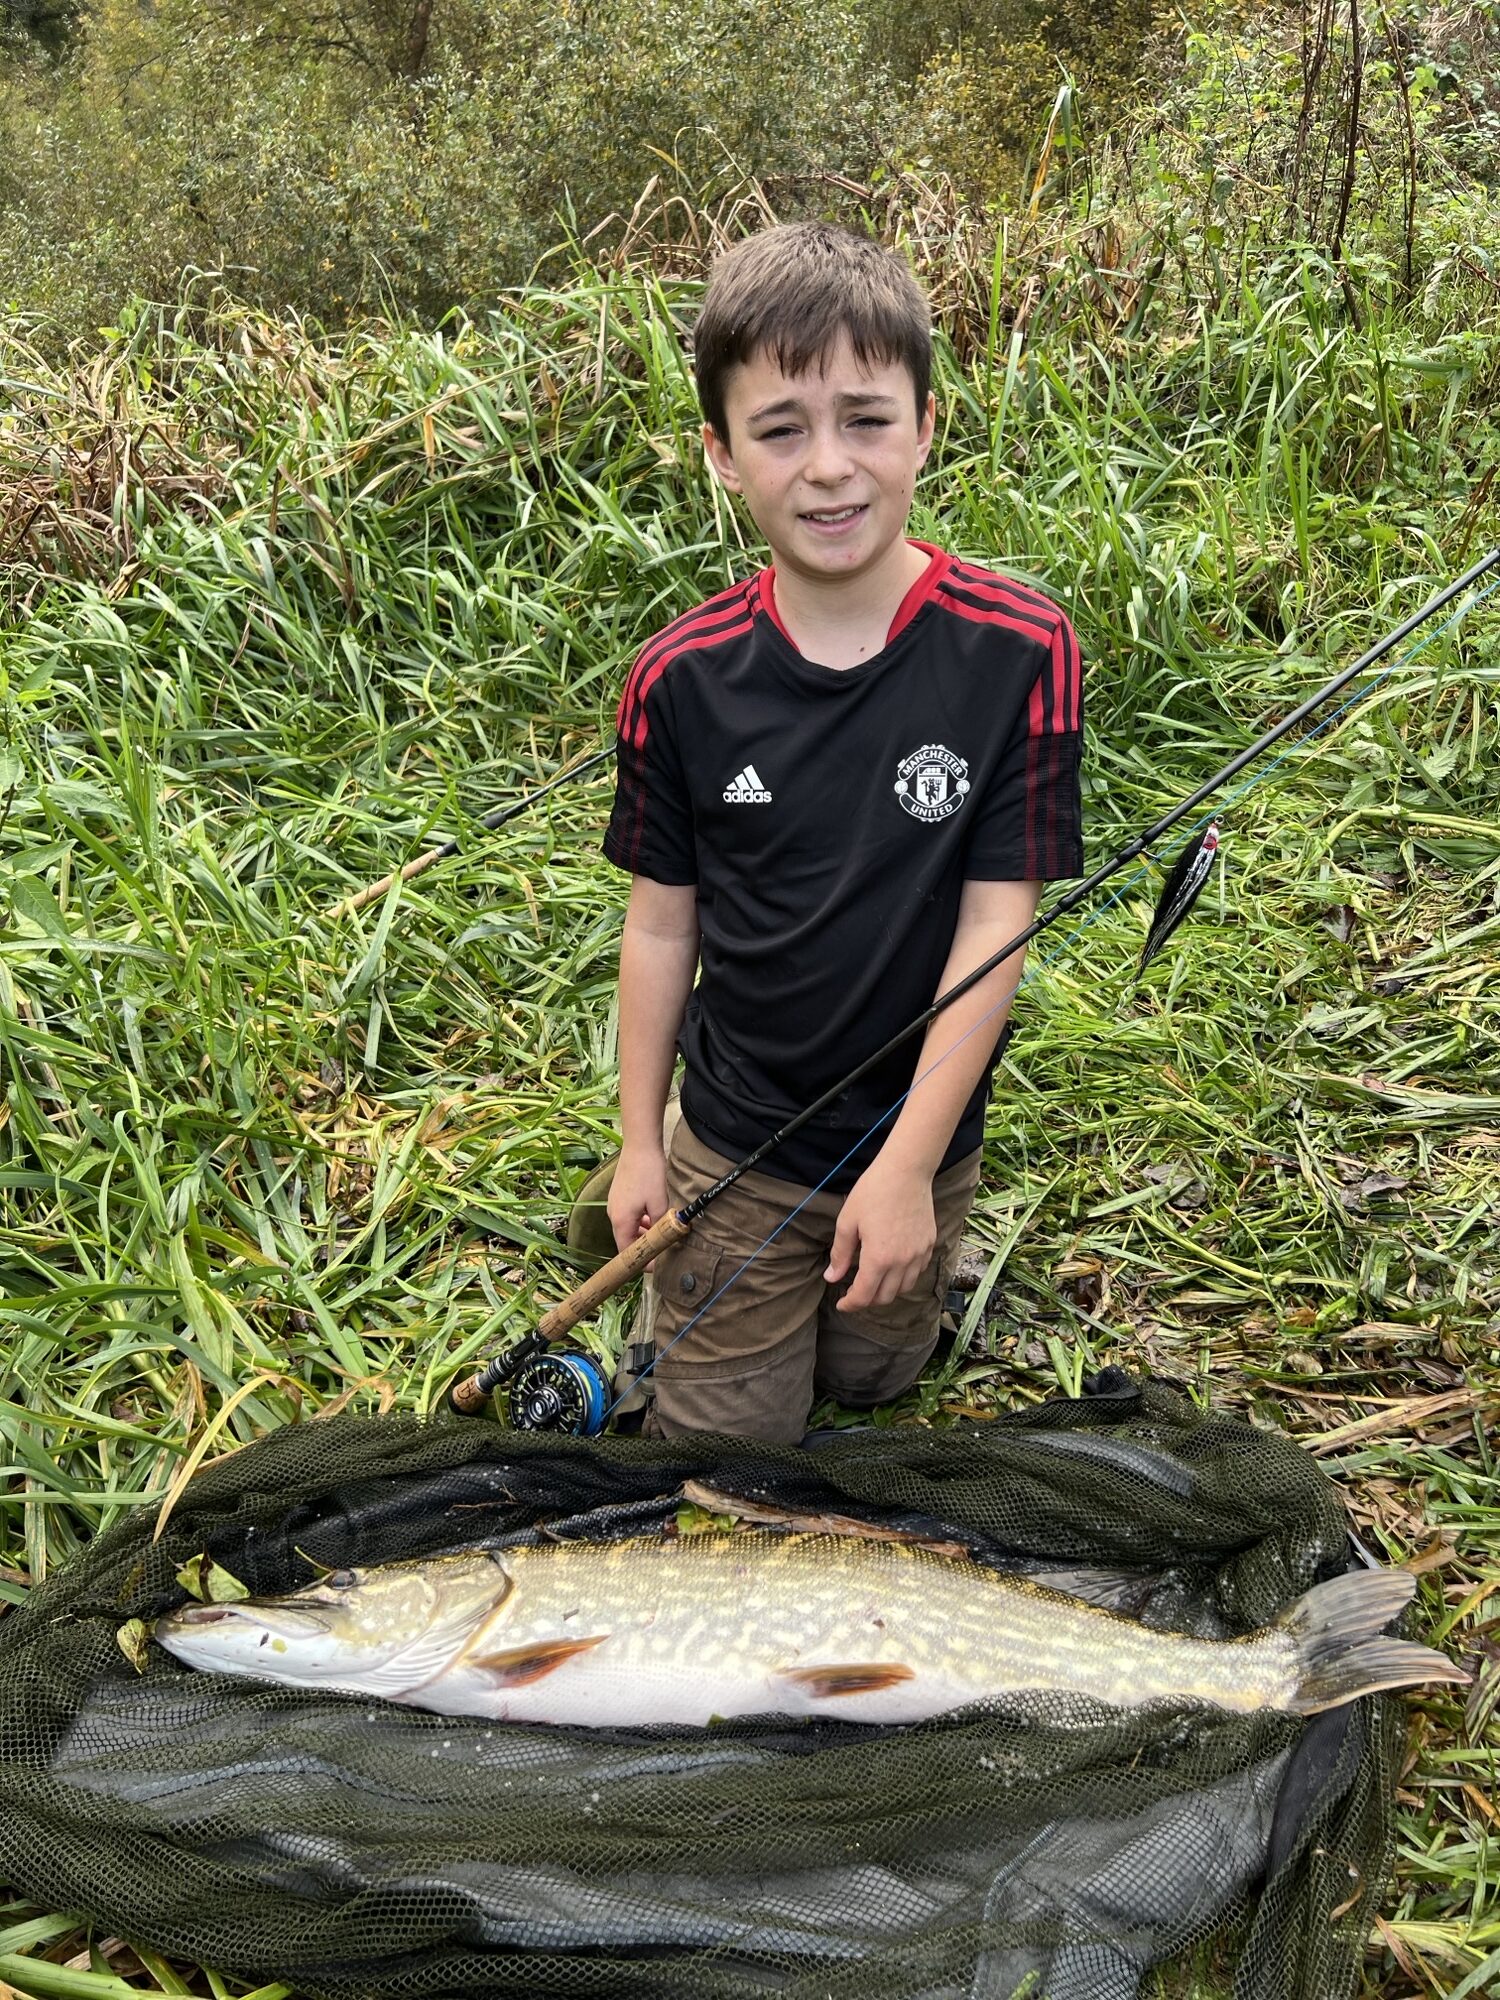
x=33 y=860
x=694 y=1520
x=133 y=1640
x=73 y=795
x=210 y=1582
x=1476 y=1981
x=34 y=901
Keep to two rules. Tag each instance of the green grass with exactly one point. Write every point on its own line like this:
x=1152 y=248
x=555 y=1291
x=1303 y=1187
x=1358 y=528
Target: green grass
x=340 y=597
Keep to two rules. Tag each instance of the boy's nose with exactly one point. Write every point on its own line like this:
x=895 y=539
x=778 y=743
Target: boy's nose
x=828 y=459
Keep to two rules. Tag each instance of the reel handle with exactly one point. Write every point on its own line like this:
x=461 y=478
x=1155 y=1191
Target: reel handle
x=628 y=1263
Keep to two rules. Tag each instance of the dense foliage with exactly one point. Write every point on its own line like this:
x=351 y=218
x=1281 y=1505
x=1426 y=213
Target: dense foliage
x=415 y=155
x=282 y=600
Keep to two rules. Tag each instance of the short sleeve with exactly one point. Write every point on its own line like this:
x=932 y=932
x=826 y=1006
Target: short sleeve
x=650 y=829
x=1030 y=823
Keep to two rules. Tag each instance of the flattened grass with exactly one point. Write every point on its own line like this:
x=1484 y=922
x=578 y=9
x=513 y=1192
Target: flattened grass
x=260 y=1163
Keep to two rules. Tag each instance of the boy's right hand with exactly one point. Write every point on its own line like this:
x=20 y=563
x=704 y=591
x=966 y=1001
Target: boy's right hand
x=637 y=1194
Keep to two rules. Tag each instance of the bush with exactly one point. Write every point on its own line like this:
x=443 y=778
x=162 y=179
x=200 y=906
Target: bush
x=324 y=177
x=982 y=76
x=328 y=156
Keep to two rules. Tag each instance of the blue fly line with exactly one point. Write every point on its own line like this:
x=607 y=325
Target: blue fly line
x=1259 y=777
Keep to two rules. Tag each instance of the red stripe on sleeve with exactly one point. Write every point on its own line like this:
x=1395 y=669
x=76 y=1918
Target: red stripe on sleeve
x=1025 y=623
x=1055 y=705
x=996 y=589
x=732 y=603
x=1068 y=668
x=704 y=626
x=646 y=674
x=1023 y=628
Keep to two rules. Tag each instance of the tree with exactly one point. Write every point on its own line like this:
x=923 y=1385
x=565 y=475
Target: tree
x=393 y=37
x=51 y=24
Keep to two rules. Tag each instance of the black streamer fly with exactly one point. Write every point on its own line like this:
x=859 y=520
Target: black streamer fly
x=1183 y=887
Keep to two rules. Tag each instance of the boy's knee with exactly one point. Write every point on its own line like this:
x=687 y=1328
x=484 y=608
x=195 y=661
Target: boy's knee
x=763 y=1395
x=861 y=1372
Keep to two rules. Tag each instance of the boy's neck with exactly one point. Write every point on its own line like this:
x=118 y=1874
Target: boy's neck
x=840 y=622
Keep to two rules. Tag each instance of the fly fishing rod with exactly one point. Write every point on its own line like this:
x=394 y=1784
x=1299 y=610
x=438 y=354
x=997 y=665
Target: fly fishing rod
x=548 y=1401
x=491 y=820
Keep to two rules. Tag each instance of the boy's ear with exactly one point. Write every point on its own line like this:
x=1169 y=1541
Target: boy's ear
x=926 y=427
x=718 y=454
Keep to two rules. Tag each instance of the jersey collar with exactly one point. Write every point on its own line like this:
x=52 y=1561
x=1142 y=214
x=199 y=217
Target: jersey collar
x=938 y=564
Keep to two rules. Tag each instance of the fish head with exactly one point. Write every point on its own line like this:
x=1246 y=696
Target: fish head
x=383 y=1630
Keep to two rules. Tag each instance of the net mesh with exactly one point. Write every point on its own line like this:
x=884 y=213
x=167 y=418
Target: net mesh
x=351 y=1846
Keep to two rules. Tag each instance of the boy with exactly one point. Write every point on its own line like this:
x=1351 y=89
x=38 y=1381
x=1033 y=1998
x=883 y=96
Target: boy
x=841 y=785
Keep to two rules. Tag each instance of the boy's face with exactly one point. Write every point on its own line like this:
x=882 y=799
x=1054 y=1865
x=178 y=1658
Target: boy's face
x=826 y=461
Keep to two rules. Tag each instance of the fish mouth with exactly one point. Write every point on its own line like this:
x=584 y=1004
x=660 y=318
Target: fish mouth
x=279 y=1620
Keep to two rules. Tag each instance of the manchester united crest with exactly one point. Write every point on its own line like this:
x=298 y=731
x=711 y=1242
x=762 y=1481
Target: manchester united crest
x=932 y=783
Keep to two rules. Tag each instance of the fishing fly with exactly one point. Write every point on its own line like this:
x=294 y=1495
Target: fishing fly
x=1181 y=890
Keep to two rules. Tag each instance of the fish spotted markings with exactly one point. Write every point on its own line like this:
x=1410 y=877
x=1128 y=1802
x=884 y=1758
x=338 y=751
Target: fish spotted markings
x=655 y=1631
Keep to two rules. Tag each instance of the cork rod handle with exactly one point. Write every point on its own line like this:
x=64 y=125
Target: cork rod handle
x=628 y=1264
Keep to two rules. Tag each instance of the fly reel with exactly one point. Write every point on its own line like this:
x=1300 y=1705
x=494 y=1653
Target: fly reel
x=538 y=1391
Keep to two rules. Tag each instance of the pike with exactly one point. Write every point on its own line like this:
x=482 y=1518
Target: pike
x=681 y=1632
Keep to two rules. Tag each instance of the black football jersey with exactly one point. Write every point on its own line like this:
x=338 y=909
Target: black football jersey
x=829 y=819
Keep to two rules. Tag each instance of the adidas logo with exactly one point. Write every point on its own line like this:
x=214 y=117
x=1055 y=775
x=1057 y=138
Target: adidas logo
x=747 y=789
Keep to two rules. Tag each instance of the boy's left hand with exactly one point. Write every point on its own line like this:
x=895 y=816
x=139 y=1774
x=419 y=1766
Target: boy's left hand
x=888 y=1228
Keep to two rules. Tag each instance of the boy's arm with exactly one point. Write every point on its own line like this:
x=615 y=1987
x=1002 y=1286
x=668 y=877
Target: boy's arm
x=886 y=1225
x=658 y=958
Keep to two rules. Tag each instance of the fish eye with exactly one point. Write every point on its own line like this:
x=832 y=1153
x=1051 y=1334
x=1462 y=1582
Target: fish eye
x=321 y=1591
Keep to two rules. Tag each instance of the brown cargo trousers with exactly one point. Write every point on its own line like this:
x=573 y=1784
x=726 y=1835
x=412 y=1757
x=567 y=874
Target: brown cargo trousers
x=752 y=1365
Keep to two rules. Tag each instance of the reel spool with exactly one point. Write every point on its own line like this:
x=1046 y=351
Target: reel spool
x=557 y=1392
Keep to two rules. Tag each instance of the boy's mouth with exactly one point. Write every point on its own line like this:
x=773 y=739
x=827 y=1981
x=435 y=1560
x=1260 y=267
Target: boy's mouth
x=834 y=517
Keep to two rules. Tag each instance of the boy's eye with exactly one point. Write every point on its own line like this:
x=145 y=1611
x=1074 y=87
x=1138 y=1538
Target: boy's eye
x=778 y=431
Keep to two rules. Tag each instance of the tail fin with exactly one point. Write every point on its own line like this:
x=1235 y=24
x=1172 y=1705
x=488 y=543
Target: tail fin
x=1338 y=1629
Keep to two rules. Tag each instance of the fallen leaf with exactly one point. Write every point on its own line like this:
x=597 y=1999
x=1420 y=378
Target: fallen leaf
x=1440 y=1550
x=1399 y=1416
x=133 y=1638
x=203 y=1578
x=1473 y=1793
x=1399 y=1952
x=1357 y=1193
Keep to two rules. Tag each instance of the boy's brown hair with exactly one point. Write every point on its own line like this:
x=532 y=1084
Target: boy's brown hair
x=791 y=291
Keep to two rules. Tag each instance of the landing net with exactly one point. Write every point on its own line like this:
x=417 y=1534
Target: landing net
x=355 y=1848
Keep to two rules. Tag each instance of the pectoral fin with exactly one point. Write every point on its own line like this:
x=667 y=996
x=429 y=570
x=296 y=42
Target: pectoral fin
x=519 y=1666
x=868 y=1678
